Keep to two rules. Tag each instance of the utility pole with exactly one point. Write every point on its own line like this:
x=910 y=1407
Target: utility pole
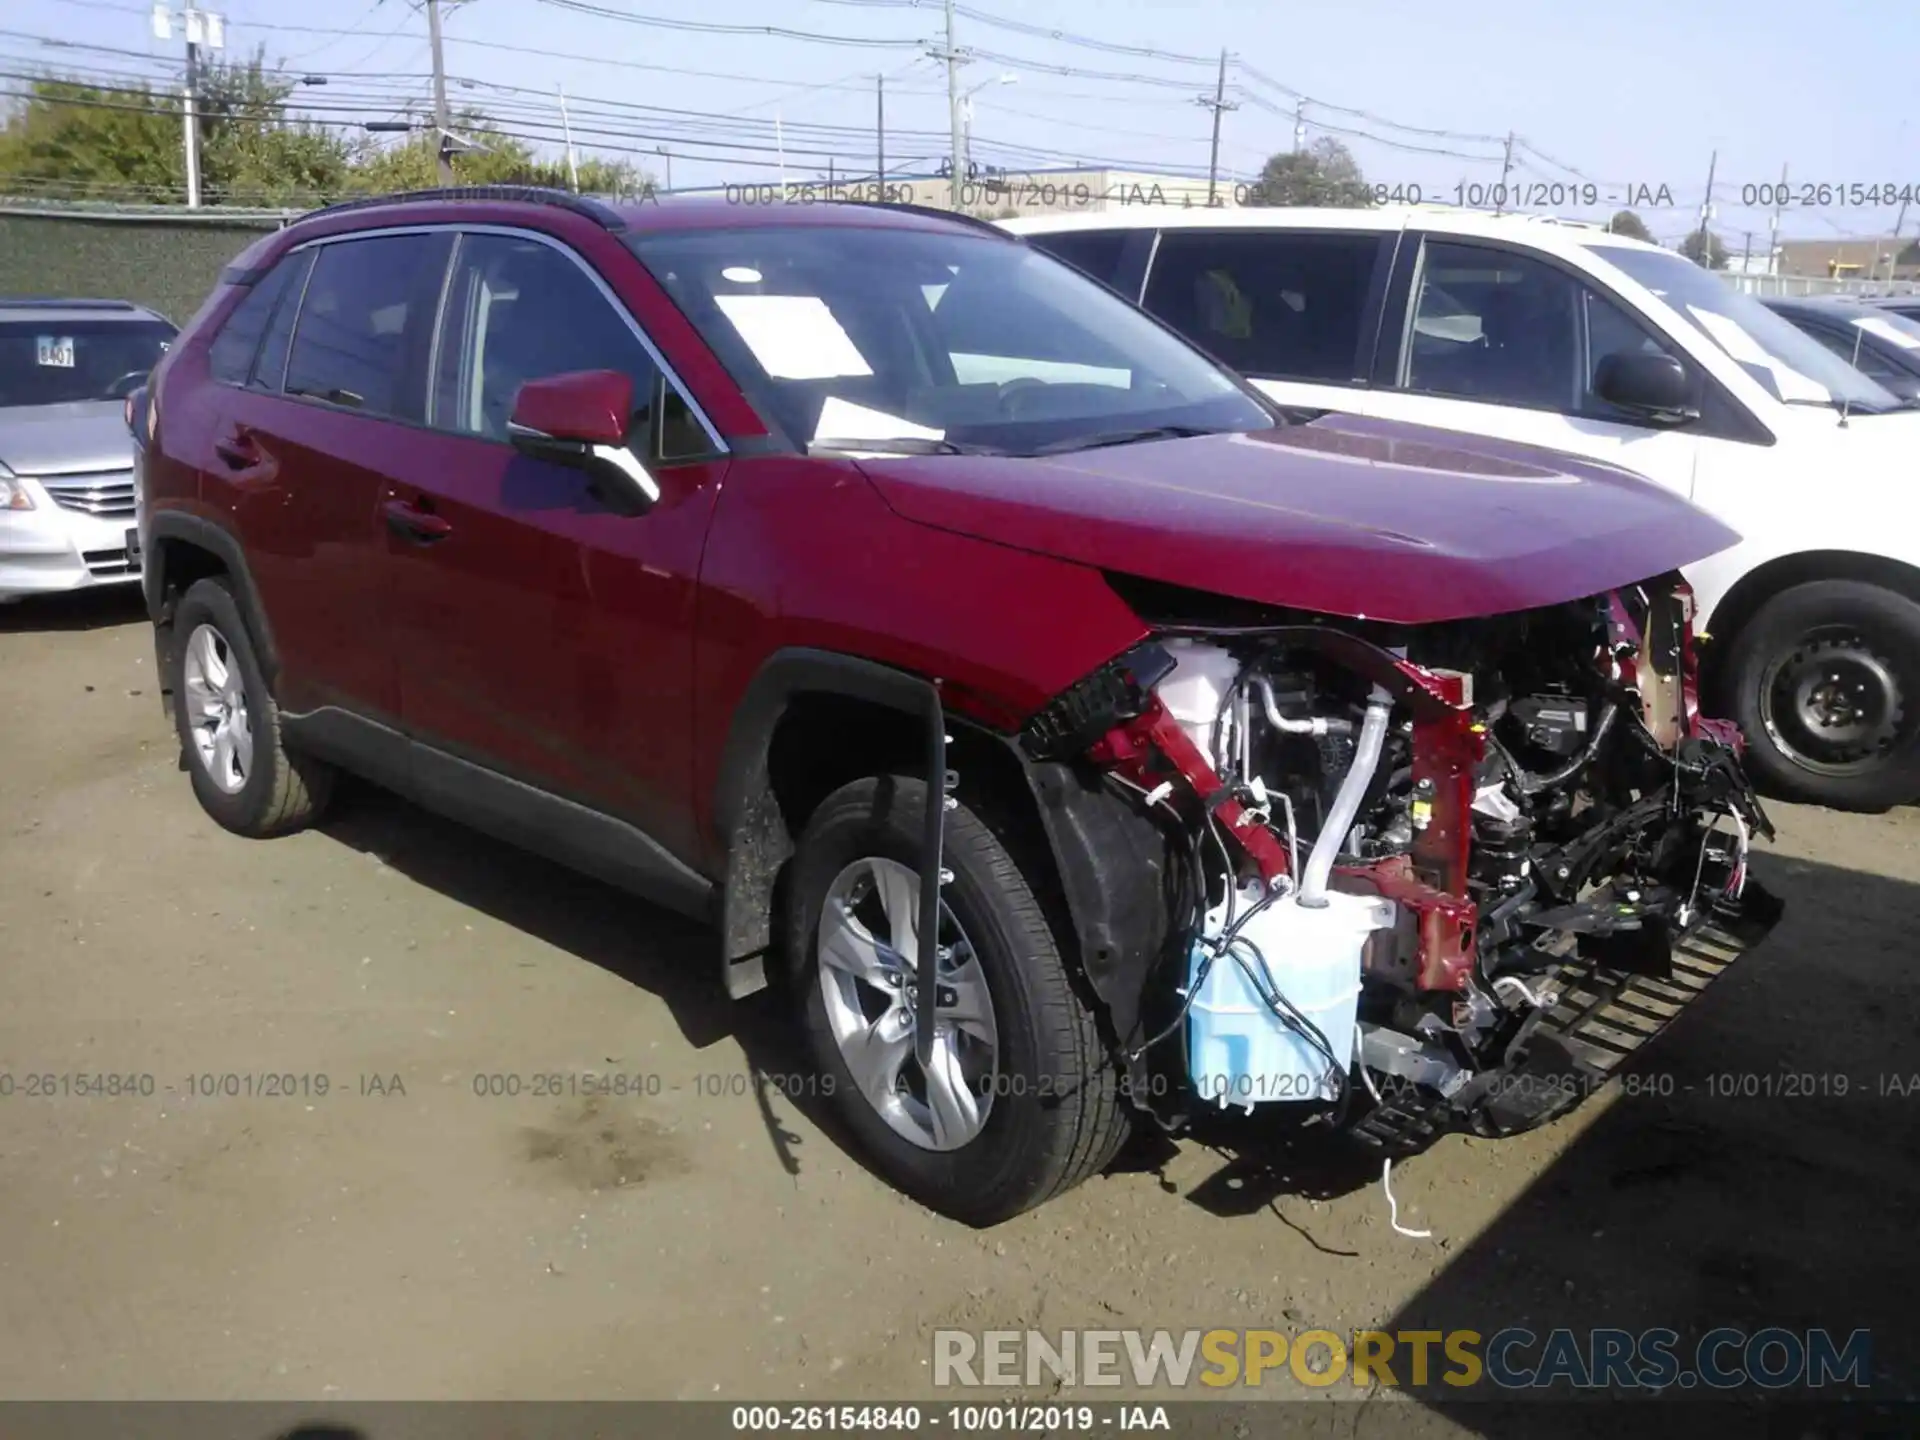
x=1773 y=225
x=666 y=157
x=1706 y=214
x=951 y=54
x=1299 y=125
x=198 y=27
x=442 y=121
x=1216 y=102
x=1506 y=169
x=566 y=128
x=780 y=152
x=880 y=136
x=1893 y=260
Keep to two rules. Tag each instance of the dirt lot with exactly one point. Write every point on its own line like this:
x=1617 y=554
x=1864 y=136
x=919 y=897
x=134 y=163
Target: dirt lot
x=401 y=1235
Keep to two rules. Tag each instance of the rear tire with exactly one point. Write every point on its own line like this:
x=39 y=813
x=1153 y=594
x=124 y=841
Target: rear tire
x=1047 y=1107
x=229 y=727
x=1824 y=680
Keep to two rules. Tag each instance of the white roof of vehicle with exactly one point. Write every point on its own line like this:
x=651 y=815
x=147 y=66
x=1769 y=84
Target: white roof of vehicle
x=1544 y=231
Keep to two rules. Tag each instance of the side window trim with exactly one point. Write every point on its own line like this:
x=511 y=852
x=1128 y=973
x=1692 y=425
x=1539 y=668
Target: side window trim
x=1736 y=421
x=298 y=299
x=439 y=332
x=458 y=229
x=666 y=370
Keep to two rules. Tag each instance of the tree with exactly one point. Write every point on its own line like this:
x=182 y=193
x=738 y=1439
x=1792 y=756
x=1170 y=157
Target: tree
x=1325 y=173
x=1629 y=224
x=493 y=159
x=1704 y=242
x=124 y=142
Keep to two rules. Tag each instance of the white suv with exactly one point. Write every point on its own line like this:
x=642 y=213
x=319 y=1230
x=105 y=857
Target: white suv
x=1565 y=336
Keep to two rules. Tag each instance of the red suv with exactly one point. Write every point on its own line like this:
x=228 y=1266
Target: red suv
x=1081 y=739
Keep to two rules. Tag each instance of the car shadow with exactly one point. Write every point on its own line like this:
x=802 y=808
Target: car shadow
x=95 y=608
x=654 y=949
x=1759 y=1167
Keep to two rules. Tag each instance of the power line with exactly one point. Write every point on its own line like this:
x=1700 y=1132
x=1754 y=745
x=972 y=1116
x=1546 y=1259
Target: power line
x=709 y=27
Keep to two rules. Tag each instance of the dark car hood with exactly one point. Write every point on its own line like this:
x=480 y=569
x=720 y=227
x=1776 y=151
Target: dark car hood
x=1345 y=516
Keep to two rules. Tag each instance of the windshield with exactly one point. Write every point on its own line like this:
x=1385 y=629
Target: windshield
x=853 y=337
x=1792 y=365
x=48 y=362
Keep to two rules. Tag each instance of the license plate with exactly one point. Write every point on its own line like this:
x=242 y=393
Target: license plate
x=54 y=350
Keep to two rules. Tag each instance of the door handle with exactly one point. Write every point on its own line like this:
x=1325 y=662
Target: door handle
x=239 y=450
x=412 y=524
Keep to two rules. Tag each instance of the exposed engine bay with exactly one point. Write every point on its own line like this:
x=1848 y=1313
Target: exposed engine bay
x=1426 y=878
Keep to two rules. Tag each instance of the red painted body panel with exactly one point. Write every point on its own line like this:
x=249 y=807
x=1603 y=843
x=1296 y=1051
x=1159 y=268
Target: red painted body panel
x=591 y=405
x=804 y=552
x=1400 y=524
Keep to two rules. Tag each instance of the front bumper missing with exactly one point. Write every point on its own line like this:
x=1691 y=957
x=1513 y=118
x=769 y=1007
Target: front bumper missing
x=1601 y=1018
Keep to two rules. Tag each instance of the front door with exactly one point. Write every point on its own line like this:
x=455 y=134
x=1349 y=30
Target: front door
x=540 y=633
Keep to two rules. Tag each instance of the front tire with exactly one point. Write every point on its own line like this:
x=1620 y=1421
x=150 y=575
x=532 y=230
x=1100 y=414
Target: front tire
x=229 y=726
x=1825 y=682
x=1021 y=1102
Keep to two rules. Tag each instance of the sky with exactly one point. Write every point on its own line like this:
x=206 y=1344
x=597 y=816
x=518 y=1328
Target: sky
x=1626 y=104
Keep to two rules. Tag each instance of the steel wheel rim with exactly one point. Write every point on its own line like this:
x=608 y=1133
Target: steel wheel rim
x=1834 y=704
x=217 y=719
x=868 y=958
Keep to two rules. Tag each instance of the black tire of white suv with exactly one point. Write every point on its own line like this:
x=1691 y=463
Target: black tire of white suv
x=217 y=683
x=1824 y=679
x=1049 y=1111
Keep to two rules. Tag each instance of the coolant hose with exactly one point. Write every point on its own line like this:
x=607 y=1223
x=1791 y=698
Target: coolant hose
x=1346 y=804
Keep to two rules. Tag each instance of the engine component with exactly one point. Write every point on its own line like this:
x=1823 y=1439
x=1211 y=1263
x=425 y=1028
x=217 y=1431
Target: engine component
x=1274 y=997
x=1346 y=805
x=1556 y=724
x=1195 y=690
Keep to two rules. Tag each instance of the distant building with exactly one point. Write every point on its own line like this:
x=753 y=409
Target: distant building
x=1862 y=259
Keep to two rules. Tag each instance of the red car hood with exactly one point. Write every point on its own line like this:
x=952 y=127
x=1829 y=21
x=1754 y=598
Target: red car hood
x=1344 y=516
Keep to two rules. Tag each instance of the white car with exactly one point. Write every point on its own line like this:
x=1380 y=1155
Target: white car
x=1565 y=336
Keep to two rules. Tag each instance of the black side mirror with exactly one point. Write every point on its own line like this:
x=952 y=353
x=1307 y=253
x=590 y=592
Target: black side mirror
x=1655 y=386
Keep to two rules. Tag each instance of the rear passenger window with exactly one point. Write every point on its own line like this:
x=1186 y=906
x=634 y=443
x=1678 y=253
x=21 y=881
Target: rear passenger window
x=1097 y=252
x=1282 y=305
x=519 y=310
x=230 y=357
x=270 y=366
x=368 y=303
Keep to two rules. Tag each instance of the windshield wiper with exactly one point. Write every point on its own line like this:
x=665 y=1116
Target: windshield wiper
x=898 y=445
x=1123 y=437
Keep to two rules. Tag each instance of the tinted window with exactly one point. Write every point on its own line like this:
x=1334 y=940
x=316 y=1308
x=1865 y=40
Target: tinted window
x=1273 y=304
x=519 y=310
x=270 y=366
x=927 y=337
x=353 y=328
x=1854 y=350
x=52 y=361
x=230 y=357
x=1097 y=252
x=1495 y=326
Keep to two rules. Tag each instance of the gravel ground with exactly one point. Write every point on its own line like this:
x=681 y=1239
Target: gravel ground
x=402 y=1236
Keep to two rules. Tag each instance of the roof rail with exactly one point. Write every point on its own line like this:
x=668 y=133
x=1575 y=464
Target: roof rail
x=932 y=212
x=55 y=302
x=602 y=215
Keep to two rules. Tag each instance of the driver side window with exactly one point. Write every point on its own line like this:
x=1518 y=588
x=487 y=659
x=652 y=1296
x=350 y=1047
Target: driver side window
x=518 y=310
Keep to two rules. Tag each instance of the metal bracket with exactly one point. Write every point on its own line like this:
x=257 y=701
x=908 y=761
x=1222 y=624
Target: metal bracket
x=938 y=782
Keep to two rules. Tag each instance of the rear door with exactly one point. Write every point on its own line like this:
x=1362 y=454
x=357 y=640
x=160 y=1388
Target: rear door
x=314 y=424
x=540 y=633
x=1295 y=311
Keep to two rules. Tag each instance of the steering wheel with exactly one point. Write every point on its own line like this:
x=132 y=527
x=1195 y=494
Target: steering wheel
x=1011 y=391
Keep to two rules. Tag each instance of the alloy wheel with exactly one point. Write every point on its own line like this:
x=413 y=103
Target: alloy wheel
x=216 y=700
x=869 y=952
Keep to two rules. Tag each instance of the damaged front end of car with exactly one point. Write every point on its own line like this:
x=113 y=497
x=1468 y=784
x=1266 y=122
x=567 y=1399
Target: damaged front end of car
x=1417 y=878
